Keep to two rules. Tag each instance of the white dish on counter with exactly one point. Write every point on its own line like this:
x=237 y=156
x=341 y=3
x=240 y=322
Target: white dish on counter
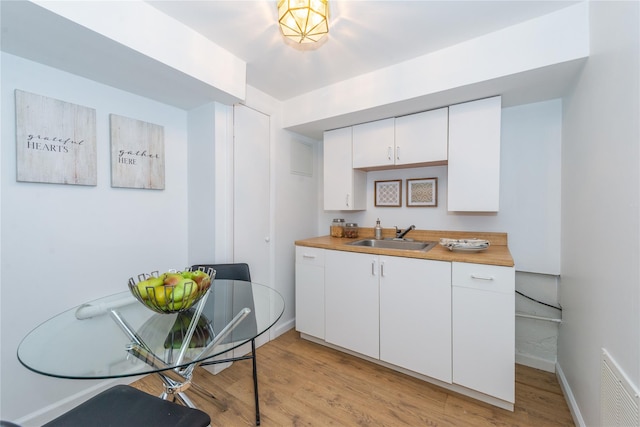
x=465 y=245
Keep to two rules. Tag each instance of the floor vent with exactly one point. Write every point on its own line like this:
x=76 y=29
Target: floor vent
x=619 y=400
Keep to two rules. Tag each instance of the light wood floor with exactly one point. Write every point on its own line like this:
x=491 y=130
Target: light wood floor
x=302 y=383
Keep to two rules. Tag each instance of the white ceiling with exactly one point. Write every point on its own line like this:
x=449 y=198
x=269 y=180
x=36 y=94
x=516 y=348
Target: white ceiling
x=363 y=36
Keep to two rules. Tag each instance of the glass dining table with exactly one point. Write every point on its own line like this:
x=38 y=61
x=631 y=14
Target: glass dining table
x=117 y=336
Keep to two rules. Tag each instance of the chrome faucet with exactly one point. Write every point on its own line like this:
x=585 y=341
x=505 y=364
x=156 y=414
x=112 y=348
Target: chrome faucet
x=400 y=234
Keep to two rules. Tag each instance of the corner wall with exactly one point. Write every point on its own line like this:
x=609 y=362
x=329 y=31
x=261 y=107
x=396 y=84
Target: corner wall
x=600 y=285
x=63 y=245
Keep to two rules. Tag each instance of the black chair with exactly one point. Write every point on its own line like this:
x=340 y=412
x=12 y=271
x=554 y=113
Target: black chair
x=126 y=406
x=236 y=271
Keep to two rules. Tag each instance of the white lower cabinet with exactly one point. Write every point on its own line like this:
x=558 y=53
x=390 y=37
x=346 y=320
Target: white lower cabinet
x=415 y=315
x=310 y=291
x=453 y=322
x=484 y=329
x=352 y=302
x=394 y=309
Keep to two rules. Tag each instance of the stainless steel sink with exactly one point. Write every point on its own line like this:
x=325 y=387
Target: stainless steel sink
x=407 y=245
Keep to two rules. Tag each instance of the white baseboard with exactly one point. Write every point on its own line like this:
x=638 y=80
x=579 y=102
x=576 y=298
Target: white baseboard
x=568 y=395
x=536 y=362
x=282 y=328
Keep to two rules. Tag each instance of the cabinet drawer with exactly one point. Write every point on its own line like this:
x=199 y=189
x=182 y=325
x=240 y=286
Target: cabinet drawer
x=485 y=277
x=310 y=256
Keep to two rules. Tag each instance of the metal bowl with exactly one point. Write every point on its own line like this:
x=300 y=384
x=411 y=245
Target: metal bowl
x=171 y=292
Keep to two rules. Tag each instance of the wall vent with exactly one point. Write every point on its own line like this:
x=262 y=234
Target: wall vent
x=619 y=399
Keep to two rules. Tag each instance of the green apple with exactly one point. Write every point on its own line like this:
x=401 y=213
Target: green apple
x=142 y=288
x=160 y=294
x=184 y=290
x=201 y=278
x=144 y=285
x=176 y=305
x=172 y=279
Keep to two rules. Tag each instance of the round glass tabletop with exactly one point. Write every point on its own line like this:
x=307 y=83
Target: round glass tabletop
x=86 y=342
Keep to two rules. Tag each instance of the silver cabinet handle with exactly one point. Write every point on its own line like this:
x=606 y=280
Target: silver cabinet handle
x=382 y=269
x=389 y=153
x=397 y=153
x=475 y=276
x=373 y=268
x=308 y=256
x=346 y=200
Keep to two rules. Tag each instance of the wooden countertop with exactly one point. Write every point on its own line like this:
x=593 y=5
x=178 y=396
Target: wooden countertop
x=497 y=253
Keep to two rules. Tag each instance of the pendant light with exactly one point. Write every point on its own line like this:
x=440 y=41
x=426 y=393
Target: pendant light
x=303 y=21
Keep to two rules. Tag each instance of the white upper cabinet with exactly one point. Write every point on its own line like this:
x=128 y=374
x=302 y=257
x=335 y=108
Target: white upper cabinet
x=474 y=156
x=373 y=144
x=408 y=140
x=422 y=137
x=344 y=188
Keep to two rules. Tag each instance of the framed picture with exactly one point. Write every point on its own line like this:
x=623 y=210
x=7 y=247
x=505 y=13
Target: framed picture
x=137 y=154
x=55 y=141
x=388 y=193
x=422 y=192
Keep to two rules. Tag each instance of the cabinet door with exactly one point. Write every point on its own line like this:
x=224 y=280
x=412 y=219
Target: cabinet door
x=484 y=329
x=373 y=144
x=422 y=137
x=344 y=188
x=415 y=315
x=310 y=291
x=352 y=302
x=474 y=156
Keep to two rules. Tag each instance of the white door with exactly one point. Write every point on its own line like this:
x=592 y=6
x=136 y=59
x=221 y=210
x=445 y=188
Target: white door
x=251 y=201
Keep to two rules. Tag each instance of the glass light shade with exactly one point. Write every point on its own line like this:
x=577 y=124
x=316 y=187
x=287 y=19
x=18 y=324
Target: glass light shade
x=303 y=21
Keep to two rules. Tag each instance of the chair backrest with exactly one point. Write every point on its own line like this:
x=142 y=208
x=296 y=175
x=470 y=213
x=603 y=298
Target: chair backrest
x=236 y=271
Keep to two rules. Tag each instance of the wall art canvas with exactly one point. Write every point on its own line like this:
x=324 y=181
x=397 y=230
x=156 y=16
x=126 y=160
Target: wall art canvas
x=137 y=154
x=422 y=192
x=388 y=193
x=55 y=141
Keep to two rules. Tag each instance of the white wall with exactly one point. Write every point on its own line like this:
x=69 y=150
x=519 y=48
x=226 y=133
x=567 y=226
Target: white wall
x=201 y=178
x=63 y=245
x=600 y=287
x=295 y=218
